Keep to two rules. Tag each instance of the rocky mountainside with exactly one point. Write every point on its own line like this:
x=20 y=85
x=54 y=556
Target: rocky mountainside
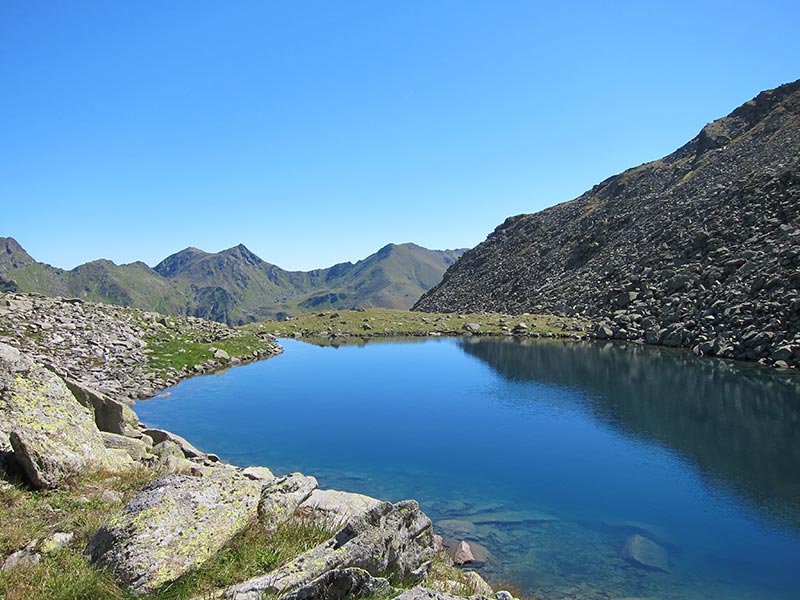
x=700 y=249
x=233 y=286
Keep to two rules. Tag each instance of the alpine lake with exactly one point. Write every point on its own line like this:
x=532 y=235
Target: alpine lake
x=553 y=456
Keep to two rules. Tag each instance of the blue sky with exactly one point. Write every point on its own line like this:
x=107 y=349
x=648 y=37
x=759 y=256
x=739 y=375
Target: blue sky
x=317 y=132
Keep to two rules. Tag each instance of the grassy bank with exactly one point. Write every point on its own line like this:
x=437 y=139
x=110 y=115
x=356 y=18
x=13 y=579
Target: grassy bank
x=381 y=322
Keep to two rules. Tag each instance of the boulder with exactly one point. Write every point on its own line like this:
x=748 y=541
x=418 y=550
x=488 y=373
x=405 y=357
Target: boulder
x=109 y=414
x=478 y=583
x=258 y=473
x=461 y=553
x=160 y=435
x=646 y=554
x=52 y=435
x=281 y=498
x=336 y=507
x=393 y=540
x=172 y=526
x=137 y=449
x=167 y=448
x=423 y=593
x=337 y=584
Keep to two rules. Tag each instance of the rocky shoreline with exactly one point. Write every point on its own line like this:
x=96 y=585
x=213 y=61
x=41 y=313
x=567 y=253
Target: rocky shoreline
x=68 y=370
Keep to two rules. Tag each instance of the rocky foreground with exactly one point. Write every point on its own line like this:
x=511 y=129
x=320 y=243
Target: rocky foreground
x=67 y=371
x=700 y=249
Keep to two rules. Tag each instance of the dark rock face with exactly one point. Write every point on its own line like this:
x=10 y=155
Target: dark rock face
x=700 y=249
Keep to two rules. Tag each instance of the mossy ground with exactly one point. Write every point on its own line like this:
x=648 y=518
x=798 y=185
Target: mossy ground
x=382 y=322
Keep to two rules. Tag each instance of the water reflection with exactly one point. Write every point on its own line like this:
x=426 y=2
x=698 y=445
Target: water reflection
x=738 y=424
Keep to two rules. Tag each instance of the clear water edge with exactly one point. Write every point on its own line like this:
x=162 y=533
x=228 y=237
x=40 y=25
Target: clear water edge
x=550 y=455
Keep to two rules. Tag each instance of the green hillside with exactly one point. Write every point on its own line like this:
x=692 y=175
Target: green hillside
x=234 y=286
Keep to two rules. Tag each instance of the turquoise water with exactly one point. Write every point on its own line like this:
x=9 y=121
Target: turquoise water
x=549 y=454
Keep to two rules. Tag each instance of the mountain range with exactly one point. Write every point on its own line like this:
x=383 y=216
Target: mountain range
x=233 y=286
x=699 y=249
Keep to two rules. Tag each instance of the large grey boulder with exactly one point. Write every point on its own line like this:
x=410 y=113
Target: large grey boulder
x=281 y=497
x=336 y=507
x=109 y=414
x=52 y=435
x=390 y=540
x=172 y=526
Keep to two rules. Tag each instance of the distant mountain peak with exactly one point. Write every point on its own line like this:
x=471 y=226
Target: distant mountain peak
x=13 y=255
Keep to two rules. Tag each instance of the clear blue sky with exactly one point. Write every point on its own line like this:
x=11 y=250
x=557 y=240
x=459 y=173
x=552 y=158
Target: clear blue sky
x=317 y=132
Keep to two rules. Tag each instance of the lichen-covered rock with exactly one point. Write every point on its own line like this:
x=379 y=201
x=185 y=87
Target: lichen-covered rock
x=52 y=435
x=336 y=507
x=390 y=540
x=109 y=414
x=478 y=583
x=258 y=473
x=337 y=584
x=137 y=449
x=423 y=593
x=160 y=435
x=281 y=497
x=172 y=526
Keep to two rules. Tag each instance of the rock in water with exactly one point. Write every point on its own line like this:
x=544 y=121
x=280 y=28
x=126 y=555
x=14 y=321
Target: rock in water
x=172 y=526
x=645 y=553
x=461 y=553
x=52 y=435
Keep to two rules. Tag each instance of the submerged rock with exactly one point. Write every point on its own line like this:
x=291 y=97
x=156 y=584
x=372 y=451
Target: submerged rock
x=172 y=526
x=461 y=553
x=646 y=554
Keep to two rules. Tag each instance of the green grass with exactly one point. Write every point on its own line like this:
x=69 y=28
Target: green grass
x=381 y=322
x=252 y=553
x=184 y=351
x=78 y=508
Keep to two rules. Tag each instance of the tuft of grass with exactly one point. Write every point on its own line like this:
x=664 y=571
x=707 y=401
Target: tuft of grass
x=445 y=576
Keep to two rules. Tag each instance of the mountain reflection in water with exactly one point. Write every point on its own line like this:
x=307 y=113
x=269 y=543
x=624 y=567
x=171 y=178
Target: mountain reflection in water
x=739 y=424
